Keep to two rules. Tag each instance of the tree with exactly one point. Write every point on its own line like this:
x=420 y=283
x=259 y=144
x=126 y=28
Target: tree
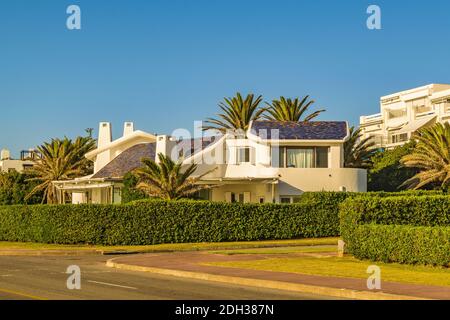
x=387 y=173
x=291 y=110
x=89 y=132
x=166 y=179
x=129 y=190
x=431 y=156
x=61 y=159
x=14 y=187
x=237 y=113
x=357 y=151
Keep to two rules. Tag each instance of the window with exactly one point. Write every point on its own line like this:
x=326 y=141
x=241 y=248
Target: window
x=242 y=197
x=285 y=199
x=243 y=155
x=392 y=114
x=396 y=138
x=203 y=194
x=322 y=157
x=289 y=199
x=301 y=157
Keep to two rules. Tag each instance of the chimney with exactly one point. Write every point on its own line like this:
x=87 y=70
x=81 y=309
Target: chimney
x=166 y=145
x=128 y=128
x=104 y=134
x=5 y=155
x=104 y=138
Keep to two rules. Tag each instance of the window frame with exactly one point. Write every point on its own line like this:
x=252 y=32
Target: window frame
x=247 y=152
x=282 y=156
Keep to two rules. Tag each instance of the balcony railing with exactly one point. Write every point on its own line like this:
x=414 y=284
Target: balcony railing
x=29 y=155
x=372 y=118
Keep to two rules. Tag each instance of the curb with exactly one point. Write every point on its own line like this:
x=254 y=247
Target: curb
x=269 y=284
x=36 y=253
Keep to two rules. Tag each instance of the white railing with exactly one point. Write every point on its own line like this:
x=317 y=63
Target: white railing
x=372 y=117
x=424 y=114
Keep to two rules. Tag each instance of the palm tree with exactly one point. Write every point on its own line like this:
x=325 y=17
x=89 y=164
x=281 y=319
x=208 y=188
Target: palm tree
x=237 y=113
x=431 y=156
x=60 y=159
x=166 y=180
x=291 y=110
x=357 y=151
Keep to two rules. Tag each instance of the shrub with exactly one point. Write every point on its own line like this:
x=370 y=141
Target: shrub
x=15 y=186
x=332 y=200
x=129 y=191
x=387 y=173
x=158 y=221
x=400 y=229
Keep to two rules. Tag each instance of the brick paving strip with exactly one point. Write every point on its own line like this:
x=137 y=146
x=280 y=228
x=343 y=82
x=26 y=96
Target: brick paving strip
x=194 y=262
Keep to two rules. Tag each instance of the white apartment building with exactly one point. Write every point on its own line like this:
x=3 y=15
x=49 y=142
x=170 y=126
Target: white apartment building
x=26 y=161
x=273 y=162
x=403 y=113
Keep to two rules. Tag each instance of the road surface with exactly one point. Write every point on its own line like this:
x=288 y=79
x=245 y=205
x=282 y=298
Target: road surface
x=44 y=277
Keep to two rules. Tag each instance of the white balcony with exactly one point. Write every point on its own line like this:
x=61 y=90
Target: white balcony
x=373 y=118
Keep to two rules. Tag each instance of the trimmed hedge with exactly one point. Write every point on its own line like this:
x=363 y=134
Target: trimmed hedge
x=332 y=200
x=398 y=229
x=158 y=221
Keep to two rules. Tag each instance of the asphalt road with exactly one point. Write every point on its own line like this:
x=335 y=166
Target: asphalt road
x=44 y=277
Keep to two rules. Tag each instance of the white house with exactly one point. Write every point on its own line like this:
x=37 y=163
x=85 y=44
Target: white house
x=403 y=113
x=272 y=162
x=26 y=161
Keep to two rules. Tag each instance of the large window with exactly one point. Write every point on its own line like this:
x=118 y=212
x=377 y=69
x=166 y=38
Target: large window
x=302 y=157
x=299 y=158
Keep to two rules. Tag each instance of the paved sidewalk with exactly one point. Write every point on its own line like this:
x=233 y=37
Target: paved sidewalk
x=191 y=262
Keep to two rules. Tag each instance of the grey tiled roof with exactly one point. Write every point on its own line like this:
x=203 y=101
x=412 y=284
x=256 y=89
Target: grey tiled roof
x=305 y=130
x=130 y=159
x=127 y=161
x=192 y=146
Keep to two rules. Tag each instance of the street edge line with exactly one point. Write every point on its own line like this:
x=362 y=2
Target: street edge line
x=269 y=284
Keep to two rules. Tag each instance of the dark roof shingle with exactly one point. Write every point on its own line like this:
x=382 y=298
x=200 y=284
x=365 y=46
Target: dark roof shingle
x=127 y=161
x=130 y=159
x=193 y=146
x=305 y=130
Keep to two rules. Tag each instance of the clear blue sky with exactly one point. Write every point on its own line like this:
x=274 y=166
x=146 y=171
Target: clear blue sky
x=164 y=64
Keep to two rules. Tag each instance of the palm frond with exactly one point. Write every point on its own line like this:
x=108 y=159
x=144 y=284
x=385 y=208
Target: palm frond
x=237 y=113
x=287 y=109
x=166 y=179
x=431 y=155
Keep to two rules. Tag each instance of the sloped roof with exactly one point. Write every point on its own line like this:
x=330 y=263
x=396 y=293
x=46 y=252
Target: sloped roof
x=130 y=159
x=127 y=161
x=305 y=130
x=193 y=146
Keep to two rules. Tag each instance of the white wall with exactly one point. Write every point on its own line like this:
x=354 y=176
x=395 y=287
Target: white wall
x=17 y=165
x=294 y=181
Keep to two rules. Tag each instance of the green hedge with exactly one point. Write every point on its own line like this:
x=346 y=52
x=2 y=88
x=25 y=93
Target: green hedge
x=332 y=200
x=400 y=229
x=157 y=221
